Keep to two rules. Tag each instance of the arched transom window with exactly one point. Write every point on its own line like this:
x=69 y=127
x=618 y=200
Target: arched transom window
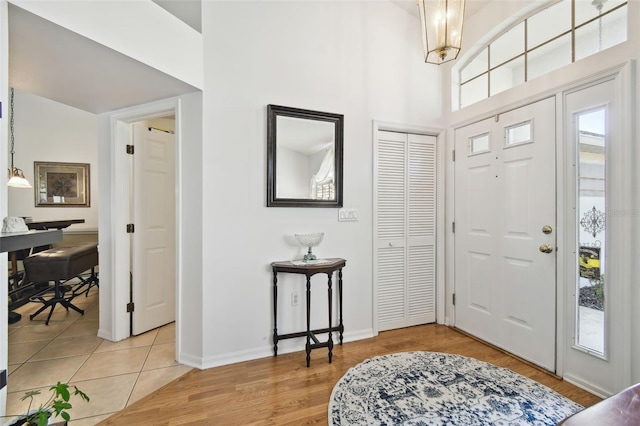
x=562 y=33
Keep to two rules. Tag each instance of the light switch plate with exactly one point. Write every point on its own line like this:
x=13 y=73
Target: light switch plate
x=347 y=215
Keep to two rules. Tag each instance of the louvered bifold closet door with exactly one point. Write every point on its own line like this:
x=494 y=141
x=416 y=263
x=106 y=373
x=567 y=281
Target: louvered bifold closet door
x=404 y=230
x=421 y=232
x=390 y=228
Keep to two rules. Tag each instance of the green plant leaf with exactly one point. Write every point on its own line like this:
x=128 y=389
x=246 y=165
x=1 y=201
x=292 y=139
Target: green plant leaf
x=61 y=390
x=43 y=418
x=57 y=403
x=83 y=395
x=59 y=406
x=30 y=394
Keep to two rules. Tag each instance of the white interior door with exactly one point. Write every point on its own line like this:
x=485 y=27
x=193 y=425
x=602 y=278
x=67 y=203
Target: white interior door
x=154 y=237
x=404 y=229
x=505 y=180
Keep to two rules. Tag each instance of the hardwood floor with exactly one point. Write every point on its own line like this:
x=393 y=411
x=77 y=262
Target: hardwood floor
x=282 y=390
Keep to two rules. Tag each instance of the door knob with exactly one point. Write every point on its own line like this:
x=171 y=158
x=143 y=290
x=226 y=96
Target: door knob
x=546 y=248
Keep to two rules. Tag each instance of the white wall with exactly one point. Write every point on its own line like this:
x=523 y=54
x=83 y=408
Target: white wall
x=360 y=59
x=139 y=29
x=193 y=267
x=50 y=131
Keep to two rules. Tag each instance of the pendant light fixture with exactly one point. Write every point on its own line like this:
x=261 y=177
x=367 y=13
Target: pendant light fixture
x=16 y=177
x=441 y=23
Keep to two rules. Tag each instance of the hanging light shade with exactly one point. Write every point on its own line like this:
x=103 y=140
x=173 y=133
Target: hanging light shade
x=16 y=177
x=441 y=22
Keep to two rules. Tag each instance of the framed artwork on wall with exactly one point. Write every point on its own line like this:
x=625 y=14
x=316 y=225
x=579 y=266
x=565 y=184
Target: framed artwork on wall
x=61 y=184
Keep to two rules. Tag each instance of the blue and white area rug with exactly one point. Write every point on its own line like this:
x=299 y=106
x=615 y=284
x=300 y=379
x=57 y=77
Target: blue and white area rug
x=430 y=388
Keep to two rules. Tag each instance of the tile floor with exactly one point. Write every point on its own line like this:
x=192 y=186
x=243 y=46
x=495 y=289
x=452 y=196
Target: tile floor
x=113 y=375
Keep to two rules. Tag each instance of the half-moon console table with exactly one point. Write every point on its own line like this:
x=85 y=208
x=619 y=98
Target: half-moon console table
x=326 y=266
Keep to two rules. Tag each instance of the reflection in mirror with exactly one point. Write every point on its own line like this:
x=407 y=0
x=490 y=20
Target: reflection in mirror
x=305 y=153
x=304 y=158
x=591 y=230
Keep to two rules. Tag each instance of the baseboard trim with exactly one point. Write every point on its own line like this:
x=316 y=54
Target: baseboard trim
x=285 y=346
x=105 y=334
x=190 y=361
x=589 y=387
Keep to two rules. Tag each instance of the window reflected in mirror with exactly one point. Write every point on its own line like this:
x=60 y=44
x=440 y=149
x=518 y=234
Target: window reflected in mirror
x=591 y=218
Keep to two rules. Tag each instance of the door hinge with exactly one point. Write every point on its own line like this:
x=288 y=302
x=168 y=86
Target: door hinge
x=130 y=149
x=454 y=299
x=130 y=228
x=453 y=155
x=130 y=307
x=453 y=227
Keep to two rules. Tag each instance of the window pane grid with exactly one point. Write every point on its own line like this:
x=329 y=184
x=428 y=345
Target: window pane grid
x=506 y=75
x=506 y=62
x=477 y=66
x=550 y=56
x=551 y=22
x=508 y=46
x=585 y=10
x=474 y=90
x=529 y=45
x=595 y=18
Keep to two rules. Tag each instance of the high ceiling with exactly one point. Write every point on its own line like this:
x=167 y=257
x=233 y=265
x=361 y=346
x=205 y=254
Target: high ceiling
x=188 y=11
x=472 y=6
x=53 y=62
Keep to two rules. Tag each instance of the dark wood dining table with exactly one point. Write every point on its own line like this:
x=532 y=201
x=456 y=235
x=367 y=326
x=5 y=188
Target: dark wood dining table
x=52 y=224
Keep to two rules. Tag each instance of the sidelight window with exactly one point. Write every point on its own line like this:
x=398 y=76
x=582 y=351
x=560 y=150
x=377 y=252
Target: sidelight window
x=591 y=219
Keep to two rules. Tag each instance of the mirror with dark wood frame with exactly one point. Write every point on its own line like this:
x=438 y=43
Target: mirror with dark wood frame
x=304 y=157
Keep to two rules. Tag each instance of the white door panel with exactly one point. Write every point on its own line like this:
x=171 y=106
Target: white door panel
x=154 y=245
x=475 y=236
x=504 y=195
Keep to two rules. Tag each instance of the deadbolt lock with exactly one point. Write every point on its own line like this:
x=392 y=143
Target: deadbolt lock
x=546 y=248
x=547 y=229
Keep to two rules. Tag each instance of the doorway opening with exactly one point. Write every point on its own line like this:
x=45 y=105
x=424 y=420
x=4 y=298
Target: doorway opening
x=118 y=243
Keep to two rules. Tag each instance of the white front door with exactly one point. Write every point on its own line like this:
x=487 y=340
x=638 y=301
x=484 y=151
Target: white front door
x=154 y=238
x=505 y=227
